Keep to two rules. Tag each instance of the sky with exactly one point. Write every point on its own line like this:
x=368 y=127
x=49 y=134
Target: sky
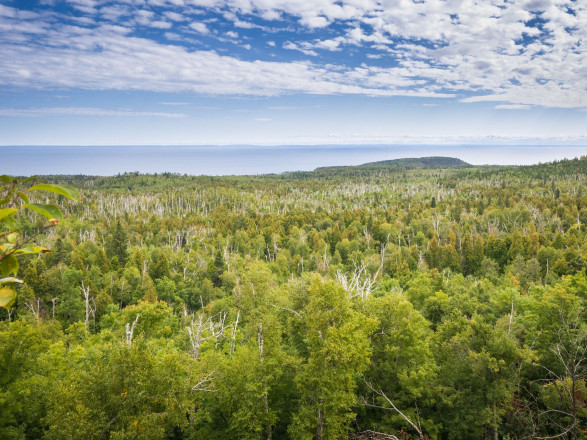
x=273 y=72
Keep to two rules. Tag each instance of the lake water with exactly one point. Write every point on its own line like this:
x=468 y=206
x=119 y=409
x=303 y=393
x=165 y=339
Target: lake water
x=243 y=159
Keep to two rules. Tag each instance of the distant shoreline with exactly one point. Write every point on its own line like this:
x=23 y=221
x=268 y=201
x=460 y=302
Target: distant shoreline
x=254 y=159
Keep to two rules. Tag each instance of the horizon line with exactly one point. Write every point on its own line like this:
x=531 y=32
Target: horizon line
x=341 y=144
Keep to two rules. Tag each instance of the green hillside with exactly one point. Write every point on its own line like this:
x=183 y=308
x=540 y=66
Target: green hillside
x=404 y=164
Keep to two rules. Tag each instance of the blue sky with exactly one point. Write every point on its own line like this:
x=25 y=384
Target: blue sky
x=98 y=72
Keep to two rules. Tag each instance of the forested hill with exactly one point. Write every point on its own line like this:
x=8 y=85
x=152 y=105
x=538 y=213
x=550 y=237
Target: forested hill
x=422 y=303
x=402 y=164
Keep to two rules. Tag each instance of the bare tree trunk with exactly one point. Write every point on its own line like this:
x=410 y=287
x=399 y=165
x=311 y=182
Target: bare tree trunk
x=320 y=427
x=53 y=301
x=201 y=331
x=233 y=342
x=130 y=330
x=86 y=293
x=35 y=307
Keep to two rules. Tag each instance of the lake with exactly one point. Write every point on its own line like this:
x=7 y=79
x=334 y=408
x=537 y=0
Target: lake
x=246 y=159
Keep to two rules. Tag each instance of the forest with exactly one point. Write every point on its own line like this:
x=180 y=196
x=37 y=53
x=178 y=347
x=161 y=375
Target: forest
x=411 y=299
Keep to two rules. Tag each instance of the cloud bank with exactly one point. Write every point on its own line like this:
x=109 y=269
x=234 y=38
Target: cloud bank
x=516 y=53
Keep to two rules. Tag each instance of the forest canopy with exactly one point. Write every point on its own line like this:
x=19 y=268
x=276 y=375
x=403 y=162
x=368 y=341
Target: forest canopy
x=425 y=300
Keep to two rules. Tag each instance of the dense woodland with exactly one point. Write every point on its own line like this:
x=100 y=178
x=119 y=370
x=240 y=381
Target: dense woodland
x=402 y=299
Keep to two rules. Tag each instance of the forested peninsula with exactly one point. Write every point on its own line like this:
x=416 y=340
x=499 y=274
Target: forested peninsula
x=411 y=299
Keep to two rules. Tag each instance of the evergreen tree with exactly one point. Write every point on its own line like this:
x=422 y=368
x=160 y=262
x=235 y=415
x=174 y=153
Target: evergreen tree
x=117 y=244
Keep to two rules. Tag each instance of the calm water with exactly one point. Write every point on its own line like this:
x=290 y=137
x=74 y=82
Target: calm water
x=228 y=160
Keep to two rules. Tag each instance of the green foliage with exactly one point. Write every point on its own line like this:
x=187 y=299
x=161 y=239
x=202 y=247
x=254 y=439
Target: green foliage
x=403 y=365
x=337 y=352
x=117 y=244
x=14 y=197
x=141 y=391
x=301 y=305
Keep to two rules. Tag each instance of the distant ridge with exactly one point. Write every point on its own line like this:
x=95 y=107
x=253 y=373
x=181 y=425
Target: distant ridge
x=407 y=163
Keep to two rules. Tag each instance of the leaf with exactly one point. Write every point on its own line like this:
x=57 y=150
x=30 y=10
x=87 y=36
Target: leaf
x=6 y=179
x=28 y=179
x=7 y=246
x=8 y=265
x=9 y=222
x=7 y=211
x=67 y=191
x=32 y=250
x=49 y=211
x=23 y=196
x=7 y=297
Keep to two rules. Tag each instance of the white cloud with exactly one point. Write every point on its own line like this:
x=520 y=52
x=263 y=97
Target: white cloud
x=172 y=36
x=174 y=16
x=271 y=15
x=82 y=111
x=512 y=107
x=246 y=25
x=87 y=6
x=114 y=12
x=293 y=46
x=465 y=46
x=482 y=51
x=315 y=21
x=200 y=28
x=144 y=17
x=160 y=24
x=131 y=63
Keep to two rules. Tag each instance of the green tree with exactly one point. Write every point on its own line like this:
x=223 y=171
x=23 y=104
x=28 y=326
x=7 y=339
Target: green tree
x=402 y=369
x=337 y=346
x=117 y=244
x=261 y=359
x=124 y=392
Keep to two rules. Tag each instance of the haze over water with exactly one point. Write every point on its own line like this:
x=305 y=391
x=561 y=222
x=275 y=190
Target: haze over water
x=243 y=160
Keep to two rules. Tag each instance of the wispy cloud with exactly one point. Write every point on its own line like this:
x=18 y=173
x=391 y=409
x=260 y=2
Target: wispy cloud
x=81 y=111
x=518 y=53
x=305 y=50
x=493 y=140
x=129 y=63
x=512 y=107
x=200 y=28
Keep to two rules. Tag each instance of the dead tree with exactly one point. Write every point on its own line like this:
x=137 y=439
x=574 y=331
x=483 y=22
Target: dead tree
x=130 y=330
x=53 y=302
x=392 y=407
x=201 y=331
x=35 y=307
x=89 y=309
x=205 y=383
x=371 y=435
x=359 y=283
x=233 y=338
